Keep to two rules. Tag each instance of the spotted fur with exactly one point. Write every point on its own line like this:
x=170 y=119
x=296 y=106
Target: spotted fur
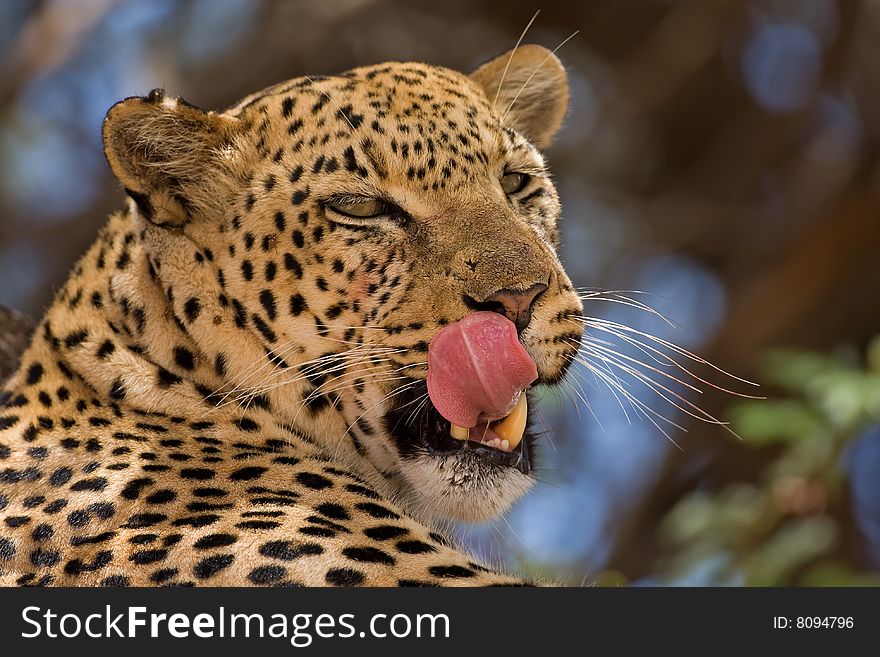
x=209 y=399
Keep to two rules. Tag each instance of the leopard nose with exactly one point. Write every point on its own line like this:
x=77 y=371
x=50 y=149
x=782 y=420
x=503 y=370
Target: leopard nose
x=516 y=305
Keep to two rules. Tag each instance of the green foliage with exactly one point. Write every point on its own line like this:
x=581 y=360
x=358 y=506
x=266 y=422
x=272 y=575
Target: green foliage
x=784 y=527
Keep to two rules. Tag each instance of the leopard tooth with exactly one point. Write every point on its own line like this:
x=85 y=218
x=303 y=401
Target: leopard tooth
x=459 y=433
x=512 y=427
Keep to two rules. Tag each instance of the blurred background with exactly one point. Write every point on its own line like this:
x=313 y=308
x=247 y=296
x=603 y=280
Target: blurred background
x=719 y=164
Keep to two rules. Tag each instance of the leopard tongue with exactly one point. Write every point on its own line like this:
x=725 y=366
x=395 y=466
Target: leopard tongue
x=477 y=370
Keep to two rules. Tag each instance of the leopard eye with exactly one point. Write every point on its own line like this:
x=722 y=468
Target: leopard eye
x=512 y=183
x=366 y=208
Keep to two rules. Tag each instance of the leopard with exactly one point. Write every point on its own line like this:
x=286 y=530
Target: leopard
x=233 y=386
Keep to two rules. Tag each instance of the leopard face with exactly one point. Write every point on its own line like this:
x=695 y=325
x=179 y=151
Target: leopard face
x=340 y=224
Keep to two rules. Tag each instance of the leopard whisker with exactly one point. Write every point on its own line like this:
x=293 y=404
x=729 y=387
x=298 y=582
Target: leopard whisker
x=537 y=68
x=661 y=391
x=336 y=361
x=510 y=59
x=624 y=333
x=617 y=296
x=643 y=409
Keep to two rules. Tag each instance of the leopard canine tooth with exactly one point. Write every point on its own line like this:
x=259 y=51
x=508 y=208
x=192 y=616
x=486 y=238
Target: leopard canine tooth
x=512 y=427
x=459 y=433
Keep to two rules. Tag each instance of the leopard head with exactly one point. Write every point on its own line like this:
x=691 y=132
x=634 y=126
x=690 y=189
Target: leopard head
x=351 y=224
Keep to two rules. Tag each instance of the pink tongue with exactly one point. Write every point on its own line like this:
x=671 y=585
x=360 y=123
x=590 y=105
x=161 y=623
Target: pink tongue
x=476 y=369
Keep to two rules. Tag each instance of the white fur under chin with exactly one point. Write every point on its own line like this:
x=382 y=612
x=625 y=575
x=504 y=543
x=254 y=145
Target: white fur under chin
x=462 y=488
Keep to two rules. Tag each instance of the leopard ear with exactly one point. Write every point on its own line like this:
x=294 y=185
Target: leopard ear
x=168 y=155
x=529 y=89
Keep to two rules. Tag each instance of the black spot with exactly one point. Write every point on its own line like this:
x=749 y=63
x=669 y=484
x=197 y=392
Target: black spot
x=239 y=313
x=267 y=299
x=320 y=532
x=247 y=270
x=55 y=506
x=351 y=118
x=214 y=541
x=247 y=474
x=210 y=566
x=103 y=510
x=247 y=424
x=45 y=558
x=115 y=580
x=199 y=474
x=163 y=575
x=17 y=521
x=333 y=510
x=368 y=555
x=76 y=338
x=191 y=309
x=117 y=390
x=376 y=511
x=96 y=484
x=107 y=347
x=33 y=500
x=414 y=547
x=292 y=265
x=313 y=481
x=133 y=488
x=409 y=583
x=385 y=532
x=451 y=572
x=91 y=540
x=161 y=497
x=267 y=574
x=184 y=358
x=143 y=557
x=258 y=524
x=351 y=163
x=167 y=378
x=280 y=221
x=209 y=492
x=60 y=477
x=42 y=532
x=297 y=304
x=38 y=452
x=8 y=421
x=196 y=521
x=7 y=549
x=34 y=374
x=299 y=196
x=298 y=239
x=287 y=106
x=143 y=539
x=140 y=318
x=139 y=520
x=288 y=551
x=344 y=577
x=220 y=364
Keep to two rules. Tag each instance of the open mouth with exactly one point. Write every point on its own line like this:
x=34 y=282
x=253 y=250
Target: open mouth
x=478 y=376
x=425 y=430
